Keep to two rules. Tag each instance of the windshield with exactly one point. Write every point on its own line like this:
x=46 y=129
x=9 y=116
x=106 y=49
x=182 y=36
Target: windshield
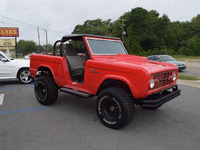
x=167 y=58
x=106 y=47
x=6 y=55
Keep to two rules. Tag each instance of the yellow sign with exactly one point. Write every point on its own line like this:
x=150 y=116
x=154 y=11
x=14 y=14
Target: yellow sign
x=7 y=42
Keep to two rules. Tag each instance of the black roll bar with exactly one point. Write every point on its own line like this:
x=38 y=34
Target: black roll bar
x=54 y=48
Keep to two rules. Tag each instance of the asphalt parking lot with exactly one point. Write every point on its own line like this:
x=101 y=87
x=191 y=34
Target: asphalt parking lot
x=71 y=123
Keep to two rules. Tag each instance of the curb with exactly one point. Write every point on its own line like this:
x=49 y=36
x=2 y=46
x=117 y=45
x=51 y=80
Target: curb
x=189 y=83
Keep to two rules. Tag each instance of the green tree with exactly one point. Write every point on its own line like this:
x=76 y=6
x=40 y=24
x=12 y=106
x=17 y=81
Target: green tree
x=174 y=36
x=192 y=48
x=116 y=29
x=146 y=29
x=146 y=32
x=48 y=48
x=96 y=27
x=26 y=47
x=196 y=25
x=119 y=26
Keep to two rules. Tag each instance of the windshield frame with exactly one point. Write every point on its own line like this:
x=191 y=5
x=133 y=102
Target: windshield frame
x=6 y=56
x=105 y=39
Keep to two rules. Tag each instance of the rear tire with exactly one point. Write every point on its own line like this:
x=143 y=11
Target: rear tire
x=115 y=108
x=46 y=90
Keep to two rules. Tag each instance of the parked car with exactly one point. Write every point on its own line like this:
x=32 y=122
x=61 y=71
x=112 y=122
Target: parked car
x=166 y=58
x=14 y=68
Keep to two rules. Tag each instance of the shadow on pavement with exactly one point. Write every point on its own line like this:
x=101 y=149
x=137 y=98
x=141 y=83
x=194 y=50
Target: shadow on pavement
x=10 y=81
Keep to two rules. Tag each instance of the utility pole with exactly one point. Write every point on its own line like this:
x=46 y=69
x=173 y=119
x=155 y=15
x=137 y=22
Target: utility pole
x=16 y=47
x=123 y=30
x=46 y=42
x=38 y=37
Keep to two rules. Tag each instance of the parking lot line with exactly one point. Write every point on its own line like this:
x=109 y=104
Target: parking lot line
x=6 y=86
x=1 y=98
x=15 y=111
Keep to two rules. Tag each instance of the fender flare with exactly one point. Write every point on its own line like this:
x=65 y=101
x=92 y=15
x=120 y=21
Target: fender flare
x=115 y=77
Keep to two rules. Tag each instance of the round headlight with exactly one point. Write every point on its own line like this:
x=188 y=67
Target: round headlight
x=152 y=83
x=174 y=77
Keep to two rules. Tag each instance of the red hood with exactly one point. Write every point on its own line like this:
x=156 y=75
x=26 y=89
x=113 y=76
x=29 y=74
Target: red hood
x=132 y=62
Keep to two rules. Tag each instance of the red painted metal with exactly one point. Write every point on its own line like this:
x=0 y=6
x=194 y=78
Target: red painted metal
x=133 y=70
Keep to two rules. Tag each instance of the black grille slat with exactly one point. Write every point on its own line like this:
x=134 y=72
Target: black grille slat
x=162 y=79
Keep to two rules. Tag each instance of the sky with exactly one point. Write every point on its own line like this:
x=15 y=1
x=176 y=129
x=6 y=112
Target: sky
x=59 y=17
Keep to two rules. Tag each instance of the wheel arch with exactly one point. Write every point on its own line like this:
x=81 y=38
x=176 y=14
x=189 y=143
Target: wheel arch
x=45 y=70
x=115 y=82
x=20 y=70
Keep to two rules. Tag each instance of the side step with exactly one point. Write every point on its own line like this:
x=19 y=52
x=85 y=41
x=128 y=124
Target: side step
x=74 y=92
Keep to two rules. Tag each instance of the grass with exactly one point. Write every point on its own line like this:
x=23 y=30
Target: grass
x=182 y=58
x=184 y=77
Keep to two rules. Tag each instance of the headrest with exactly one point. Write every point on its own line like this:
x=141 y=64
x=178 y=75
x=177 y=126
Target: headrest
x=69 y=50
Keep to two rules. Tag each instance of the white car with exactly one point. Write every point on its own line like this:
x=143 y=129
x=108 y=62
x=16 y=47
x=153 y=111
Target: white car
x=14 y=68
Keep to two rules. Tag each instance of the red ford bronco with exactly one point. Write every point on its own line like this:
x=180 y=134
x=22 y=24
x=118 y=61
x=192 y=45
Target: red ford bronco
x=91 y=65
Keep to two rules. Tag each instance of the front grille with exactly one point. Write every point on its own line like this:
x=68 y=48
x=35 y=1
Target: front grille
x=162 y=79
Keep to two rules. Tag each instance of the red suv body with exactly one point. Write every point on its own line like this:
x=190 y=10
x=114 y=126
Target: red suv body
x=91 y=65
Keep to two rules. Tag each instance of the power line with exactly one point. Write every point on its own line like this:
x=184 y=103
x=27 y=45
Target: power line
x=16 y=24
x=18 y=21
x=29 y=24
x=29 y=27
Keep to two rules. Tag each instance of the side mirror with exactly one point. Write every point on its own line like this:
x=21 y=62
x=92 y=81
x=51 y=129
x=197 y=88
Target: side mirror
x=4 y=60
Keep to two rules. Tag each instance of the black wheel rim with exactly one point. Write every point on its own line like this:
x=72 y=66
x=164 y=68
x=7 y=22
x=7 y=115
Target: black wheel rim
x=110 y=109
x=41 y=91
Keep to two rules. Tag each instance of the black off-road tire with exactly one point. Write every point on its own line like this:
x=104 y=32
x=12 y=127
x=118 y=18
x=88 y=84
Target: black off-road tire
x=115 y=107
x=46 y=90
x=24 y=76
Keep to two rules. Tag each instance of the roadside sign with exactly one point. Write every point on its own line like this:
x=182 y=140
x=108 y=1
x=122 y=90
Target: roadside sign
x=9 y=32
